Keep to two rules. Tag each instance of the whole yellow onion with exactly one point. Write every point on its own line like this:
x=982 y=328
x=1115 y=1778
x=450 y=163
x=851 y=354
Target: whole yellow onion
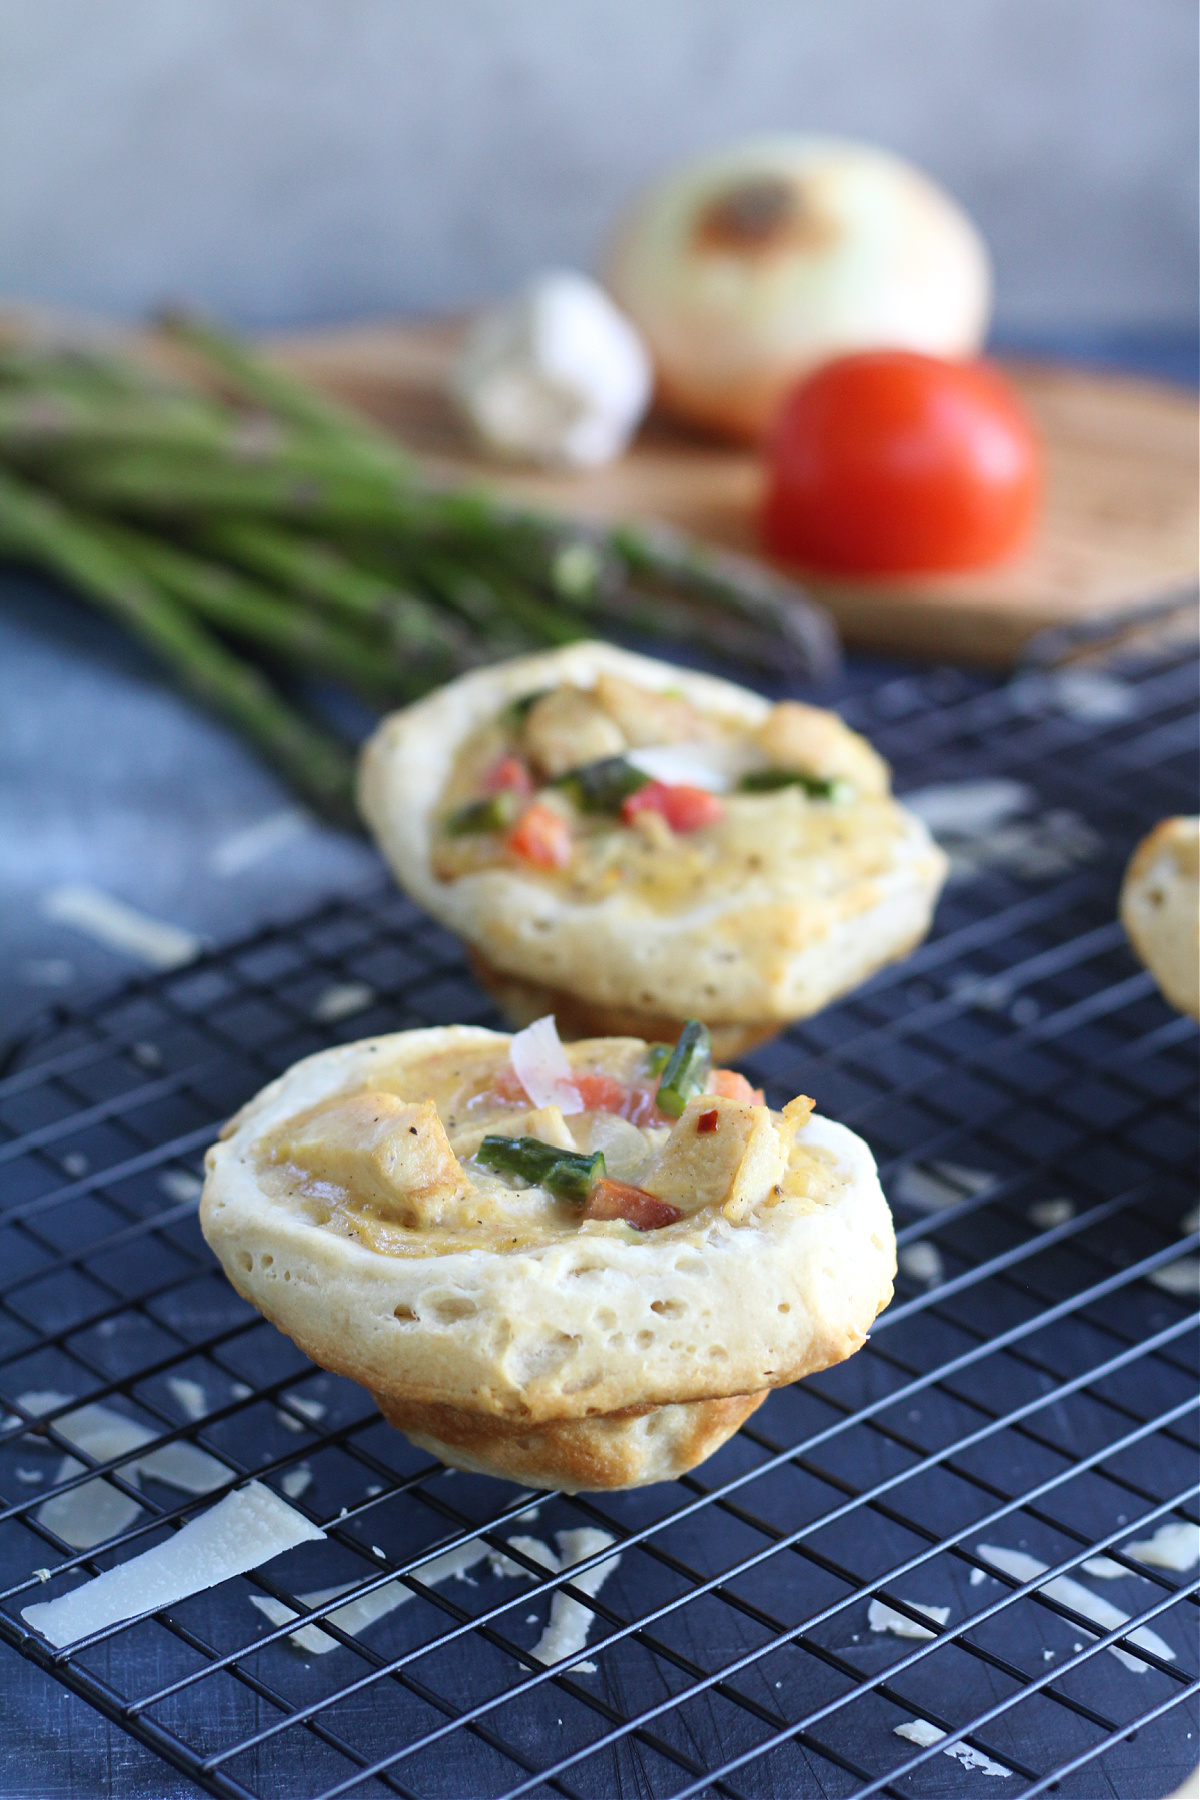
x=750 y=266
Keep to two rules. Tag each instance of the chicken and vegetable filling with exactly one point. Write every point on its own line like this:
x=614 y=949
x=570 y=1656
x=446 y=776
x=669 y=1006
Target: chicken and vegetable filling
x=617 y=785
x=508 y=1147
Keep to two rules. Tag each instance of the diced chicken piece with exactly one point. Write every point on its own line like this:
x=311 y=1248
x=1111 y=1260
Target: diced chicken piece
x=814 y=742
x=734 y=1165
x=798 y=1112
x=545 y=1123
x=646 y=717
x=567 y=728
x=388 y=1153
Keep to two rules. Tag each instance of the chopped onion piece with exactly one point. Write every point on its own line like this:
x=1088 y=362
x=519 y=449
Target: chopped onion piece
x=542 y=1068
x=692 y=765
x=626 y=1150
x=244 y=1530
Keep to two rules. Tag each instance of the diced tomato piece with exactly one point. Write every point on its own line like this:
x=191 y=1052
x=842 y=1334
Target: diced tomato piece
x=708 y=1121
x=684 y=808
x=732 y=1086
x=542 y=837
x=507 y=1085
x=641 y=1108
x=601 y=1093
x=619 y=1200
x=508 y=775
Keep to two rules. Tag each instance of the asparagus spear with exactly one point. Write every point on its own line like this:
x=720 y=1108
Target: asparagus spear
x=239 y=606
x=687 y=1069
x=38 y=528
x=320 y=572
x=817 y=787
x=566 y=1173
x=806 y=641
x=496 y=812
x=269 y=386
x=600 y=787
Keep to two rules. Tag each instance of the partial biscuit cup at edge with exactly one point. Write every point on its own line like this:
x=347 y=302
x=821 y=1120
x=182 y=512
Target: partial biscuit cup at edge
x=1160 y=909
x=589 y=1362
x=607 y=968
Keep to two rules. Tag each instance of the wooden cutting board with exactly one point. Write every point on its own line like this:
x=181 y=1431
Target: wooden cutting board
x=1119 y=527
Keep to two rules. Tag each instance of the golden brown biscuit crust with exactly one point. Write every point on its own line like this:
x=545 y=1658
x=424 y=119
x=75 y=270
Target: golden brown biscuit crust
x=630 y=1448
x=753 y=958
x=1160 y=909
x=580 y=1328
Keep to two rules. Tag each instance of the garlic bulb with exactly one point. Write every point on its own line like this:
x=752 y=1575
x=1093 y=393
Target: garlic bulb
x=749 y=267
x=556 y=375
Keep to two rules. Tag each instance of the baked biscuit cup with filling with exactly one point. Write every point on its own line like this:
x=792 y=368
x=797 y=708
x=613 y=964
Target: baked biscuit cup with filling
x=1160 y=909
x=543 y=1265
x=627 y=844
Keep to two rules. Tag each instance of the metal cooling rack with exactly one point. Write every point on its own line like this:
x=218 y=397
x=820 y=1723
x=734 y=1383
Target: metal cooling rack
x=1031 y=1102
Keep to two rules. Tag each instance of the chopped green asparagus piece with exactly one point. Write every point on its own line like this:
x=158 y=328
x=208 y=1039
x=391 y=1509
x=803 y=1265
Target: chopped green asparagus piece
x=565 y=1172
x=656 y=1059
x=687 y=1069
x=767 y=781
x=600 y=787
x=519 y=710
x=495 y=813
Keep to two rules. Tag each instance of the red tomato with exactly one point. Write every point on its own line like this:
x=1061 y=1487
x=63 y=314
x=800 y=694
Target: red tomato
x=541 y=836
x=684 y=808
x=601 y=1093
x=732 y=1086
x=618 y=1200
x=508 y=775
x=889 y=463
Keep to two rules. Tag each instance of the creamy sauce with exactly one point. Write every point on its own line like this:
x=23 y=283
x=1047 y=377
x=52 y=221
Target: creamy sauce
x=778 y=841
x=475 y=1092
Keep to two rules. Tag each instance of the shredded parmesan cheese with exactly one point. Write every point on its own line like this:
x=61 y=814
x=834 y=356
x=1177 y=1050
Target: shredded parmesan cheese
x=920 y=1731
x=1081 y=1600
x=1174 y=1546
x=241 y=1532
x=881 y=1617
x=97 y=1510
x=120 y=927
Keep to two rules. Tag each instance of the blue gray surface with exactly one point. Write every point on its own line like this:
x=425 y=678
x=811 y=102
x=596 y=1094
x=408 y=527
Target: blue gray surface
x=109 y=778
x=330 y=158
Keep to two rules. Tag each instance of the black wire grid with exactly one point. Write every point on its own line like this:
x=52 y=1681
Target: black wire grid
x=1030 y=1099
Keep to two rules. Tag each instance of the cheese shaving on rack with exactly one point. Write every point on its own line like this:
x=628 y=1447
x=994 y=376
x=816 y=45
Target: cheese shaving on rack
x=920 y=1731
x=96 y=1510
x=1175 y=1545
x=244 y=1530
x=1073 y=1594
x=567 y=1632
x=882 y=1617
x=356 y=1615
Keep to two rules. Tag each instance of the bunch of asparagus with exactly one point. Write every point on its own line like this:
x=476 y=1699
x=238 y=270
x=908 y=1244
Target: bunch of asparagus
x=251 y=512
